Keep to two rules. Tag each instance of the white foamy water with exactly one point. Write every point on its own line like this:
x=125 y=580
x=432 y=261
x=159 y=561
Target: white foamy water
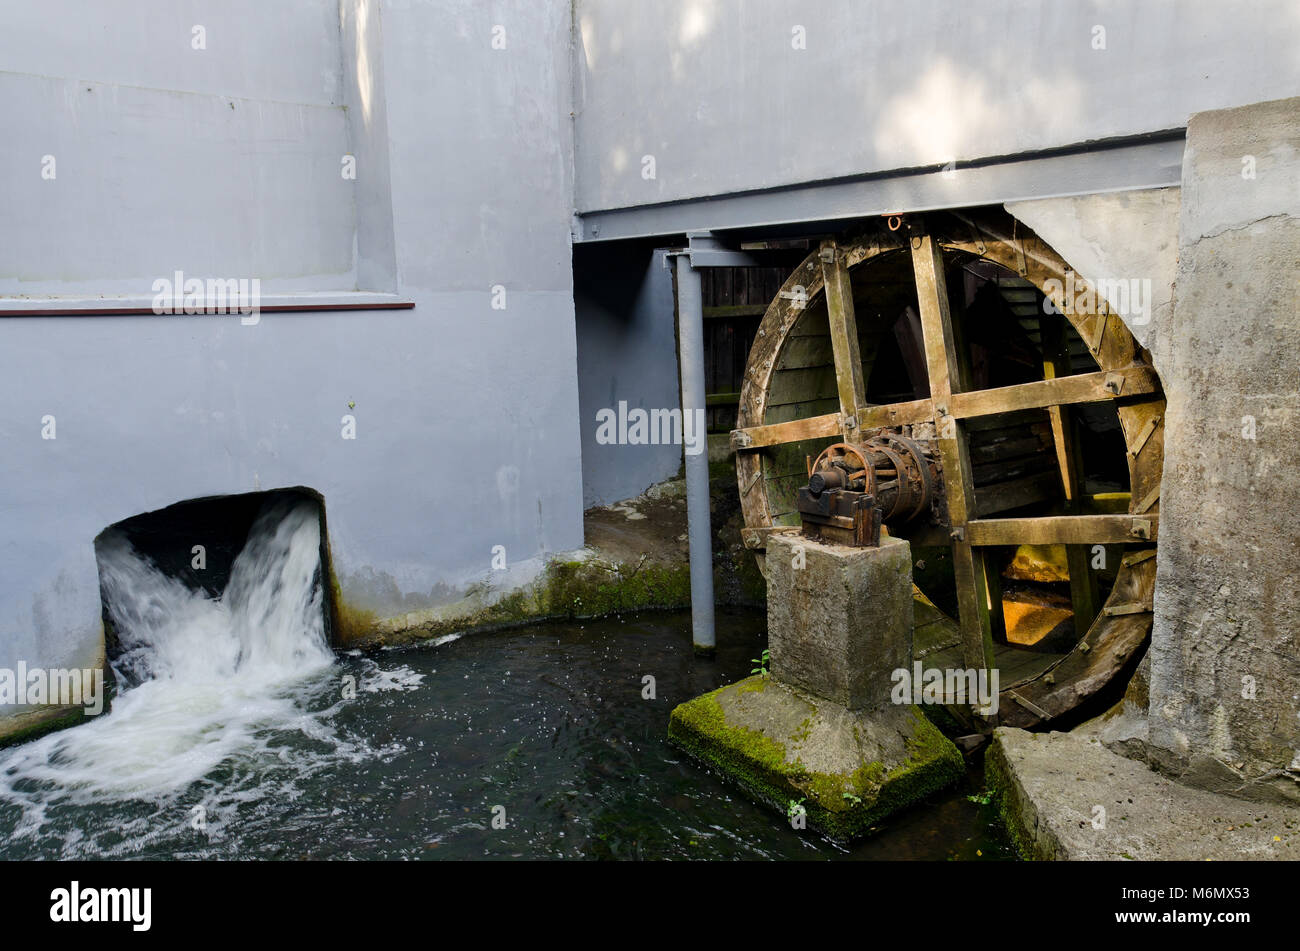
x=218 y=685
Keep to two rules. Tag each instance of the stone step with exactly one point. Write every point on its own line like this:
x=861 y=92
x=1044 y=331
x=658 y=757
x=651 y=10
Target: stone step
x=1064 y=796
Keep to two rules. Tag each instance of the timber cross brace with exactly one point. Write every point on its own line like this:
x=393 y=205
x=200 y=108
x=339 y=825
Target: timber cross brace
x=813 y=322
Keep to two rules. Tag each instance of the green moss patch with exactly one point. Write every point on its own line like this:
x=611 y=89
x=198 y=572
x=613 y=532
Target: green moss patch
x=566 y=590
x=1002 y=794
x=843 y=806
x=29 y=726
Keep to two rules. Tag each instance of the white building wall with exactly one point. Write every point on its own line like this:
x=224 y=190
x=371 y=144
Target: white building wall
x=723 y=98
x=466 y=415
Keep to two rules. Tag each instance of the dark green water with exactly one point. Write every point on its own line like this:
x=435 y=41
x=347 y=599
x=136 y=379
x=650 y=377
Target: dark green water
x=548 y=723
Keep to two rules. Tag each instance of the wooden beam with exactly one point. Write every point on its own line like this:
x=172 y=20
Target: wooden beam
x=895 y=414
x=1080 y=388
x=936 y=318
x=978 y=622
x=1063 y=530
x=735 y=310
x=1084 y=593
x=1056 y=364
x=721 y=399
x=844 y=332
x=797 y=430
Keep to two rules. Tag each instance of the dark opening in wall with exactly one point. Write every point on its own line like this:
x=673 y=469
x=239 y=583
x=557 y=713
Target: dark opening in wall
x=197 y=541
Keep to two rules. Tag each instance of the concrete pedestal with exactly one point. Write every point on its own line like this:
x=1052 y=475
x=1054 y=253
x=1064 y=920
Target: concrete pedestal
x=820 y=729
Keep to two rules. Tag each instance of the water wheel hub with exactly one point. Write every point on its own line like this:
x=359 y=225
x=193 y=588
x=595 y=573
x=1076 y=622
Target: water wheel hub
x=854 y=488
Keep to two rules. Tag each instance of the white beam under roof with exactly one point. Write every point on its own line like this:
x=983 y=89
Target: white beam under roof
x=1153 y=161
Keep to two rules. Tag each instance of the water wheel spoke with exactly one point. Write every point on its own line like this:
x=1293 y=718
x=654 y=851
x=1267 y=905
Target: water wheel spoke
x=1098 y=387
x=844 y=335
x=1063 y=530
x=1084 y=591
x=796 y=430
x=978 y=588
x=896 y=414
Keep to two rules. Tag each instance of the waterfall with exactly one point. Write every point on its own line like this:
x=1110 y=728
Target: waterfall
x=268 y=624
x=210 y=686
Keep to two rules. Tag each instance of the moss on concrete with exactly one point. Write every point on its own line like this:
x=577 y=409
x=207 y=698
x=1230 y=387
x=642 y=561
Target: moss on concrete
x=843 y=807
x=349 y=625
x=594 y=589
x=933 y=762
x=943 y=718
x=30 y=726
x=566 y=590
x=1002 y=794
x=700 y=726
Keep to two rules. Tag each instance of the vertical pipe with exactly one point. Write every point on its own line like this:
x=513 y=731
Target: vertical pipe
x=690 y=343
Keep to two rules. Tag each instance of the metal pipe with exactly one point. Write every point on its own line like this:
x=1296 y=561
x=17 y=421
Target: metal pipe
x=690 y=343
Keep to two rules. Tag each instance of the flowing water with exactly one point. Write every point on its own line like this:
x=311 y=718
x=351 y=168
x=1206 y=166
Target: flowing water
x=237 y=733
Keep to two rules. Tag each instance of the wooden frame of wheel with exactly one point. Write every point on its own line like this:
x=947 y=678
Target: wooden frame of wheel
x=1126 y=377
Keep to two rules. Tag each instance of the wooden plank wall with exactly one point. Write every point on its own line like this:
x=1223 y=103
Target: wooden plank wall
x=734 y=301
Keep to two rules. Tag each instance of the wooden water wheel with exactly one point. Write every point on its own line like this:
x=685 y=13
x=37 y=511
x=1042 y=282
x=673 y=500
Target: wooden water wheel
x=1009 y=452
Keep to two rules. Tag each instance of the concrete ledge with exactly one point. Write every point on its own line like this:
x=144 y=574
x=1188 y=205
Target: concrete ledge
x=30 y=724
x=1051 y=787
x=848 y=768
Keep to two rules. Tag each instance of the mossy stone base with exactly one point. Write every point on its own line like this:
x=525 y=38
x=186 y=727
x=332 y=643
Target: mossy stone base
x=849 y=768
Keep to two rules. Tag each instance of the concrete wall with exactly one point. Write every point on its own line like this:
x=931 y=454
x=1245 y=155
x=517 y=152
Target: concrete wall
x=152 y=410
x=1225 y=652
x=627 y=351
x=222 y=161
x=481 y=160
x=1128 y=236
x=716 y=91
x=1221 y=252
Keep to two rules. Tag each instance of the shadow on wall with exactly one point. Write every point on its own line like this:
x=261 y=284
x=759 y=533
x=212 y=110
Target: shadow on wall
x=892 y=90
x=627 y=352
